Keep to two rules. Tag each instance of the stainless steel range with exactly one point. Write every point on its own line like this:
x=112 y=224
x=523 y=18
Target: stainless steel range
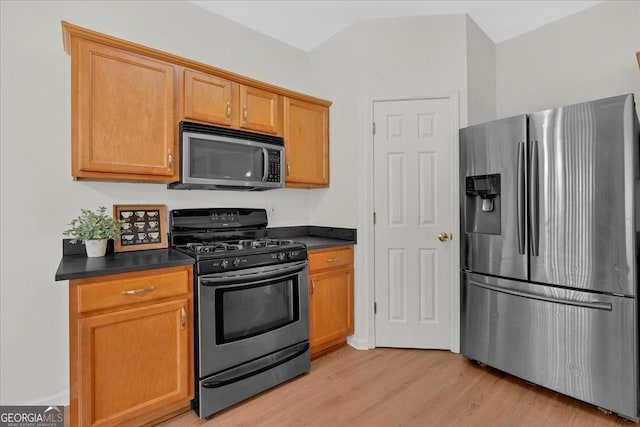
x=250 y=303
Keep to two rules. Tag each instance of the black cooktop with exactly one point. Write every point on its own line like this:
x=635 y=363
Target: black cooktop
x=229 y=239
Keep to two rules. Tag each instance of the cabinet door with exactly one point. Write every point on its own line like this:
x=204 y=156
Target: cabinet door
x=134 y=362
x=306 y=144
x=123 y=115
x=208 y=98
x=260 y=110
x=331 y=307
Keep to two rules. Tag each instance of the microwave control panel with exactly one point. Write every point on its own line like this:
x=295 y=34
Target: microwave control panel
x=274 y=166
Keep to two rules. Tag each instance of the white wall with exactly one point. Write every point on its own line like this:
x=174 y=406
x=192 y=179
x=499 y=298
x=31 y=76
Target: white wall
x=586 y=56
x=481 y=74
x=38 y=196
x=376 y=59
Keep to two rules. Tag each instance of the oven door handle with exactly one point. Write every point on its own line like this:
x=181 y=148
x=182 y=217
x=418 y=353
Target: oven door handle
x=254 y=276
x=256 y=367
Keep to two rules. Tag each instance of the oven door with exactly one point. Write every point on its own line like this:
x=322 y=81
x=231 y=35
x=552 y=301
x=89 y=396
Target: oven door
x=247 y=314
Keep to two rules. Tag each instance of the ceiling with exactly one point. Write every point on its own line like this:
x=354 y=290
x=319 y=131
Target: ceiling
x=307 y=24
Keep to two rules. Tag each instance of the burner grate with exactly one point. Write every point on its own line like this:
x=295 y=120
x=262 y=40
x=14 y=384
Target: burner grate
x=264 y=243
x=236 y=245
x=208 y=247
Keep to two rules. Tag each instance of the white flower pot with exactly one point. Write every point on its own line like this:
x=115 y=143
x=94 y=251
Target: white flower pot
x=96 y=248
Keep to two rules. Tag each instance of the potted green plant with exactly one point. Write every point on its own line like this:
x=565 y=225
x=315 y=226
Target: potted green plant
x=94 y=229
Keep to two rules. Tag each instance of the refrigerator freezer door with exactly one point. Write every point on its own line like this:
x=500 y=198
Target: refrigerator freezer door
x=493 y=197
x=577 y=343
x=582 y=178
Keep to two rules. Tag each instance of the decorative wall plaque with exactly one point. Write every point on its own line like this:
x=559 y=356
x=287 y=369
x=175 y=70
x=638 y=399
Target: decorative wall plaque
x=144 y=227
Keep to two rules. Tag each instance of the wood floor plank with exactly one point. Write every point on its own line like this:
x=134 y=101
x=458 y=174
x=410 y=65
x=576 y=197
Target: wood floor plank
x=403 y=387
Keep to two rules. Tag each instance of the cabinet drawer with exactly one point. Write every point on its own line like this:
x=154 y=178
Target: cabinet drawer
x=131 y=290
x=330 y=259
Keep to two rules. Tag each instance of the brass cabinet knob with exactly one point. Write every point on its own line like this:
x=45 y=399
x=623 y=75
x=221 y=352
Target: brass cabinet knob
x=443 y=237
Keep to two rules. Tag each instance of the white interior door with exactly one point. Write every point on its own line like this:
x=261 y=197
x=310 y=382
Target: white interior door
x=413 y=194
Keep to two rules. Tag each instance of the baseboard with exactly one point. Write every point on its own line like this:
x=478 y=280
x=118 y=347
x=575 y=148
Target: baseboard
x=59 y=399
x=358 y=343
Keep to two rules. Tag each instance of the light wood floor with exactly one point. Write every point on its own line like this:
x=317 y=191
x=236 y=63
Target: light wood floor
x=395 y=387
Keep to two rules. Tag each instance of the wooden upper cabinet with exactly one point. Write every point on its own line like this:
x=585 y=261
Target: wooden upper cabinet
x=127 y=100
x=306 y=143
x=260 y=110
x=122 y=115
x=209 y=98
x=215 y=100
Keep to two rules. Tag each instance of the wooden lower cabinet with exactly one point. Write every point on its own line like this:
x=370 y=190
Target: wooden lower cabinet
x=330 y=298
x=131 y=363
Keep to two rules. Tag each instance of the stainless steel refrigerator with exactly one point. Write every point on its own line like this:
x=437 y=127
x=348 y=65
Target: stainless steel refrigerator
x=550 y=226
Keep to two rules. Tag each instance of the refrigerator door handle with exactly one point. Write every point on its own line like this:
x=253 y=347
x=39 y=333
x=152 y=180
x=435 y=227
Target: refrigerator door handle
x=534 y=214
x=596 y=305
x=520 y=217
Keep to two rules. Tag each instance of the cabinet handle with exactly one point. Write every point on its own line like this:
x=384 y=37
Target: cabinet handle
x=288 y=169
x=138 y=291
x=313 y=287
x=169 y=160
x=333 y=259
x=183 y=317
x=245 y=113
x=228 y=110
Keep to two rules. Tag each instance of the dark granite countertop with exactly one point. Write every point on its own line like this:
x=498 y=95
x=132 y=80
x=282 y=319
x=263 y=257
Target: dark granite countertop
x=79 y=266
x=75 y=264
x=316 y=237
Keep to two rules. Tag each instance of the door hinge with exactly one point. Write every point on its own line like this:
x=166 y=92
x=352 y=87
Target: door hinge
x=373 y=127
x=374 y=218
x=375 y=308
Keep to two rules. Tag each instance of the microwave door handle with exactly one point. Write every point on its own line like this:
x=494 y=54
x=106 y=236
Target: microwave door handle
x=265 y=155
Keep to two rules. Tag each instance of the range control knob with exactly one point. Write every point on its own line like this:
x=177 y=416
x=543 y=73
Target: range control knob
x=236 y=262
x=291 y=254
x=224 y=264
x=281 y=256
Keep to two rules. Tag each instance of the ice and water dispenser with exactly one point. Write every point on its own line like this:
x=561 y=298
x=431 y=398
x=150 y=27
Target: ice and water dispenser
x=483 y=204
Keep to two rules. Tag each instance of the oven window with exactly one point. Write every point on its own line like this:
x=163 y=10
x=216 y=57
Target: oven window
x=243 y=312
x=224 y=160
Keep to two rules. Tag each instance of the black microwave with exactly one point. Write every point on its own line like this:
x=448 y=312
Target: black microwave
x=217 y=158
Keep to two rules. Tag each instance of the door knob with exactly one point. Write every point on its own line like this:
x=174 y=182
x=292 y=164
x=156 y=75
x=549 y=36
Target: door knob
x=443 y=237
